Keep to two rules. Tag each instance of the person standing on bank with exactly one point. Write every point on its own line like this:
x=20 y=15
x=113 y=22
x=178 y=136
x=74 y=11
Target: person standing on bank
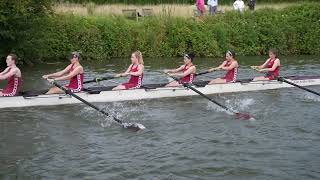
x=213 y=6
x=252 y=4
x=73 y=72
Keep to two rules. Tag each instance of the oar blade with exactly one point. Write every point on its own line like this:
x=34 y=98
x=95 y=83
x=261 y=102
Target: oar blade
x=133 y=126
x=244 y=116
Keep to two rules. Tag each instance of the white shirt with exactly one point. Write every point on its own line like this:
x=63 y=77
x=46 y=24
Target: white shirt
x=212 y=2
x=238 y=5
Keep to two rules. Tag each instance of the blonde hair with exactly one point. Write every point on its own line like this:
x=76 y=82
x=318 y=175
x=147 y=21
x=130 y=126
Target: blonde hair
x=138 y=55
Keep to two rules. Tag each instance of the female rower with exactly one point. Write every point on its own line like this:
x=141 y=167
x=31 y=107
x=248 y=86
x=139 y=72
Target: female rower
x=231 y=66
x=73 y=72
x=186 y=72
x=135 y=70
x=271 y=66
x=13 y=75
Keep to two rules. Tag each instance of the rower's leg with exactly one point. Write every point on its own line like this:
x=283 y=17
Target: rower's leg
x=1 y=94
x=261 y=78
x=218 y=81
x=55 y=90
x=120 y=87
x=173 y=84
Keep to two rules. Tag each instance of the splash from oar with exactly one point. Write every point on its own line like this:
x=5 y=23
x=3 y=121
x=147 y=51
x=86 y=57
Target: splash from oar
x=130 y=126
x=239 y=115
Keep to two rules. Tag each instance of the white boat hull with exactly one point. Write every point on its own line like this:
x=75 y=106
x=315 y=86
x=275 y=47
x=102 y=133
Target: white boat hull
x=139 y=94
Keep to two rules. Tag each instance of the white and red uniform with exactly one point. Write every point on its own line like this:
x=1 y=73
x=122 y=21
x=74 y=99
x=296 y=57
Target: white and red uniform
x=231 y=75
x=13 y=86
x=188 y=78
x=134 y=81
x=76 y=82
x=272 y=74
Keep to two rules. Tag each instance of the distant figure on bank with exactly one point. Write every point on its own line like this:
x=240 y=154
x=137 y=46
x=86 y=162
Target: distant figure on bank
x=186 y=72
x=200 y=7
x=73 y=72
x=238 y=5
x=13 y=75
x=135 y=70
x=252 y=4
x=271 y=67
x=213 y=6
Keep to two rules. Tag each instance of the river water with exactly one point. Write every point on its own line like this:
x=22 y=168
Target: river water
x=186 y=138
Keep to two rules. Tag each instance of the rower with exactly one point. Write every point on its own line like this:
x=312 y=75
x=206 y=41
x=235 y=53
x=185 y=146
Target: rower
x=231 y=66
x=186 y=72
x=13 y=75
x=271 y=66
x=73 y=72
x=135 y=70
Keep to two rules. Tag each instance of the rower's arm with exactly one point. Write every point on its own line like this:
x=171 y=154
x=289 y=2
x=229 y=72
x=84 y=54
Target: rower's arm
x=264 y=64
x=73 y=73
x=232 y=65
x=177 y=70
x=58 y=74
x=4 y=71
x=275 y=65
x=139 y=72
x=222 y=65
x=191 y=70
x=8 y=74
x=125 y=73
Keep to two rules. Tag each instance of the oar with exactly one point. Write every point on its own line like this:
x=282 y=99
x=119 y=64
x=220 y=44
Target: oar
x=296 y=85
x=130 y=126
x=238 y=114
x=99 y=79
x=282 y=79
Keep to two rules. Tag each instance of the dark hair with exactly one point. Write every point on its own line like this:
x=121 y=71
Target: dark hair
x=189 y=55
x=274 y=51
x=13 y=57
x=75 y=55
x=231 y=53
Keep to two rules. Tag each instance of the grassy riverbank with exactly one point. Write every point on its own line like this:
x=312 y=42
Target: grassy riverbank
x=176 y=10
x=292 y=30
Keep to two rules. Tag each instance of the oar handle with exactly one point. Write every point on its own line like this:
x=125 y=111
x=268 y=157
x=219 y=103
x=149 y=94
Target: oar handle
x=296 y=85
x=201 y=73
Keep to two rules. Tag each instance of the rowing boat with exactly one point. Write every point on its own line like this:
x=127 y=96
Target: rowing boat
x=149 y=91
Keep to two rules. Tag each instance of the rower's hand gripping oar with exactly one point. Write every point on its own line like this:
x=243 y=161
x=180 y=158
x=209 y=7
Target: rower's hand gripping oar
x=130 y=126
x=238 y=114
x=296 y=85
x=282 y=79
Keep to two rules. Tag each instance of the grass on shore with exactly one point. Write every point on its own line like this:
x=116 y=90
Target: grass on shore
x=177 y=10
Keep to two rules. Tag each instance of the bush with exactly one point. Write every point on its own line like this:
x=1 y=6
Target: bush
x=293 y=30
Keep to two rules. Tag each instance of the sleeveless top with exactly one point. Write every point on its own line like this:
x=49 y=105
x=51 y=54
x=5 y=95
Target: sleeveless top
x=13 y=86
x=135 y=80
x=76 y=82
x=274 y=73
x=188 y=78
x=231 y=75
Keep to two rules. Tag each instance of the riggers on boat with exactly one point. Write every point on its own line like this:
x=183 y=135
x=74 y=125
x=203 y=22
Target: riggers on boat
x=149 y=91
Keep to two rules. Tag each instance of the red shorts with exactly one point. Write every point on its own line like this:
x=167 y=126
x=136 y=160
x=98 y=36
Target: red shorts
x=131 y=85
x=270 y=77
x=73 y=89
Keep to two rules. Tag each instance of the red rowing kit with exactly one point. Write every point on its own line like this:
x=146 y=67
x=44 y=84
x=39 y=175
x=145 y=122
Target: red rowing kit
x=231 y=75
x=134 y=81
x=188 y=78
x=13 y=86
x=76 y=82
x=272 y=74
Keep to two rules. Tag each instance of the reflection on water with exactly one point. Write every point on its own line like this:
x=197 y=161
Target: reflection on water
x=186 y=137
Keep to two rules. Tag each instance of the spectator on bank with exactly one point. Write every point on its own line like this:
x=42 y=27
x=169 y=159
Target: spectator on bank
x=213 y=5
x=252 y=4
x=200 y=7
x=238 y=5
